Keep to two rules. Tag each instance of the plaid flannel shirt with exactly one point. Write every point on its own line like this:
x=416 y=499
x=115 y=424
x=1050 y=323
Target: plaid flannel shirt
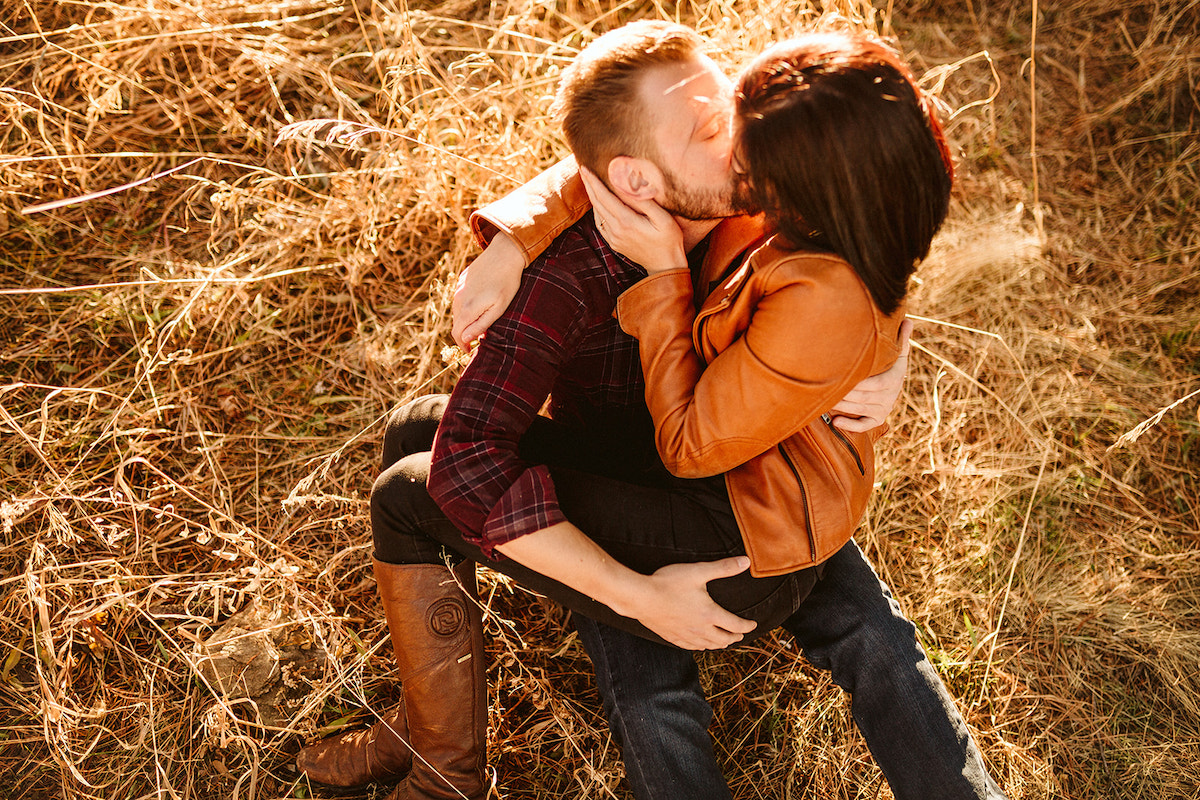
x=559 y=339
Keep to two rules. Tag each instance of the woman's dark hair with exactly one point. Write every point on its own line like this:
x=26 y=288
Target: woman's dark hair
x=842 y=151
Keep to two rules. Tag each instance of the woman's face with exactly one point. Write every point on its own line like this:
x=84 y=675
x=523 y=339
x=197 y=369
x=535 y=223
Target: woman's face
x=742 y=198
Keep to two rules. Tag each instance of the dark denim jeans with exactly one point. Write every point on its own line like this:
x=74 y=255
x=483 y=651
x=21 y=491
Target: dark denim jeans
x=850 y=625
x=846 y=622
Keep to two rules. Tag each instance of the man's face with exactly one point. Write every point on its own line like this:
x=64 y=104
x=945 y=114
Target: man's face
x=689 y=109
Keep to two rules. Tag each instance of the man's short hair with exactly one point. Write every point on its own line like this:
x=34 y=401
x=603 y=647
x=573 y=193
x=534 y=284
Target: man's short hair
x=598 y=103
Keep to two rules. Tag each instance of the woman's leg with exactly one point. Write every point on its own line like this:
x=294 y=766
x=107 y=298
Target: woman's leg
x=644 y=528
x=437 y=735
x=433 y=618
x=647 y=521
x=650 y=689
x=411 y=428
x=660 y=716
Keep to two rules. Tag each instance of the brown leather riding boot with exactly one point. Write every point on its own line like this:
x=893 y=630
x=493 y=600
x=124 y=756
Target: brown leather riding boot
x=361 y=756
x=437 y=634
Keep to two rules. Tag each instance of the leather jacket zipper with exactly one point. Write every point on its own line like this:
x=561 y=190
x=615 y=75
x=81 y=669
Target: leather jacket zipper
x=846 y=441
x=707 y=311
x=699 y=323
x=812 y=540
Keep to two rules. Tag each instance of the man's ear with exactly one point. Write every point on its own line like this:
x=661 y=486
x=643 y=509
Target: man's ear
x=634 y=178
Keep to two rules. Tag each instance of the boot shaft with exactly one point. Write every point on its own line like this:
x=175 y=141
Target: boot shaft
x=437 y=634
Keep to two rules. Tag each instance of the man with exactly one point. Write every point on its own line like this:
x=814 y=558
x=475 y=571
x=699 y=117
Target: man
x=504 y=477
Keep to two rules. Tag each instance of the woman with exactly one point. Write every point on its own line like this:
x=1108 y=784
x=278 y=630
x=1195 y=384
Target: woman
x=853 y=201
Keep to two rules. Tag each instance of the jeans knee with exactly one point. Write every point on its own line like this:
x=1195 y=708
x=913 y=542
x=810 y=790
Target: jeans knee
x=412 y=427
x=861 y=641
x=399 y=505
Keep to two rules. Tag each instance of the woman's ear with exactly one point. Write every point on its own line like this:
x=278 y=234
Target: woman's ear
x=634 y=178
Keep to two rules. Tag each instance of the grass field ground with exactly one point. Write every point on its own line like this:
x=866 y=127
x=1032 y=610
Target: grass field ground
x=228 y=232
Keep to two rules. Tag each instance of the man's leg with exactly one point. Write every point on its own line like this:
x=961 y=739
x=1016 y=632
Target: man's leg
x=658 y=713
x=852 y=626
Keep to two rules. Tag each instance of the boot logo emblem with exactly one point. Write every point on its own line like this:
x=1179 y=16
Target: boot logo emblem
x=447 y=616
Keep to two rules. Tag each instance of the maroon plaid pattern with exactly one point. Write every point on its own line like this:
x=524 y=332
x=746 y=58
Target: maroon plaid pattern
x=559 y=340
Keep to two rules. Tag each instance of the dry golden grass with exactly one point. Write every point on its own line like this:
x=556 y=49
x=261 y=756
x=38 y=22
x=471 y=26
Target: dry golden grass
x=193 y=368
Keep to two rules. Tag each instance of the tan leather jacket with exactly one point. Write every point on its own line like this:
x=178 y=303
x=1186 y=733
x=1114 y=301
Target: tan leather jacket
x=535 y=213
x=742 y=386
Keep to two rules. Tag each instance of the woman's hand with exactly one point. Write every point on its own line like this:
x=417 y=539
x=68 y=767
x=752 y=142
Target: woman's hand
x=868 y=404
x=485 y=288
x=640 y=230
x=674 y=603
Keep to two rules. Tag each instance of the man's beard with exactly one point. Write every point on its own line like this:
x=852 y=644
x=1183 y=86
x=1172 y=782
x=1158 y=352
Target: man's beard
x=696 y=204
x=700 y=205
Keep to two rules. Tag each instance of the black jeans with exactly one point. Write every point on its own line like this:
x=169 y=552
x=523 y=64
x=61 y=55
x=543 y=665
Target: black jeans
x=643 y=517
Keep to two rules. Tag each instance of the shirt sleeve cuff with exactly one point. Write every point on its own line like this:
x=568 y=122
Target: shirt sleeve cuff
x=529 y=505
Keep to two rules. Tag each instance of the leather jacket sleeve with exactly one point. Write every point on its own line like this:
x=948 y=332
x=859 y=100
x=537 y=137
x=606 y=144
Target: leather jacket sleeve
x=807 y=334
x=533 y=215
